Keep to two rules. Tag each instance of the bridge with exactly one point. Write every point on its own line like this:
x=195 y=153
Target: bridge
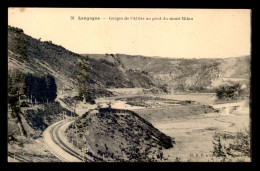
x=227 y=108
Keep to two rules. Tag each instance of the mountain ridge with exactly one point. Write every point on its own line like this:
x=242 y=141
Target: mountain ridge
x=70 y=70
x=187 y=74
x=101 y=71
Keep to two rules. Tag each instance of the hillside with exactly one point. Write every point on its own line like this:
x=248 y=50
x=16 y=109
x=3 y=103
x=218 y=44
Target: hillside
x=120 y=135
x=31 y=55
x=70 y=70
x=186 y=74
x=97 y=71
x=41 y=75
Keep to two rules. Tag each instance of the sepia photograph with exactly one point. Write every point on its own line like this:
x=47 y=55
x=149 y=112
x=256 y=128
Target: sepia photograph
x=129 y=85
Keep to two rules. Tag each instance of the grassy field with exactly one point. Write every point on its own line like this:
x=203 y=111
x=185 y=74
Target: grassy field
x=203 y=98
x=157 y=115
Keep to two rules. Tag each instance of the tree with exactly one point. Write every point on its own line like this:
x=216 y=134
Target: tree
x=181 y=87
x=10 y=84
x=16 y=87
x=164 y=88
x=229 y=92
x=28 y=84
x=42 y=89
x=16 y=82
x=51 y=88
x=42 y=93
x=32 y=86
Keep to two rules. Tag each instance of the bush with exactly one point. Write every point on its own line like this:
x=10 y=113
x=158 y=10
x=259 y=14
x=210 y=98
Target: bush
x=164 y=88
x=230 y=146
x=24 y=104
x=229 y=92
x=15 y=29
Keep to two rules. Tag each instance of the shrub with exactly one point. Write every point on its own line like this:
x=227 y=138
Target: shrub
x=228 y=146
x=164 y=88
x=24 y=104
x=229 y=92
x=15 y=29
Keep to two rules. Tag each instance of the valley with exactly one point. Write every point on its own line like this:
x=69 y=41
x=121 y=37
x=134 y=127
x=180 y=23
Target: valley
x=68 y=107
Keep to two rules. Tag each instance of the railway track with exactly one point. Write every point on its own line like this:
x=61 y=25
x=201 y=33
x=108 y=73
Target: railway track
x=57 y=140
x=18 y=157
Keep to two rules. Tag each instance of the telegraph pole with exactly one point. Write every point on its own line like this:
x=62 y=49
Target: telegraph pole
x=77 y=136
x=65 y=115
x=75 y=124
x=86 y=149
x=84 y=153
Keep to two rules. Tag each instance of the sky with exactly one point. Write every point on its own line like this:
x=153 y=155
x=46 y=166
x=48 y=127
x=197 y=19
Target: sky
x=212 y=33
